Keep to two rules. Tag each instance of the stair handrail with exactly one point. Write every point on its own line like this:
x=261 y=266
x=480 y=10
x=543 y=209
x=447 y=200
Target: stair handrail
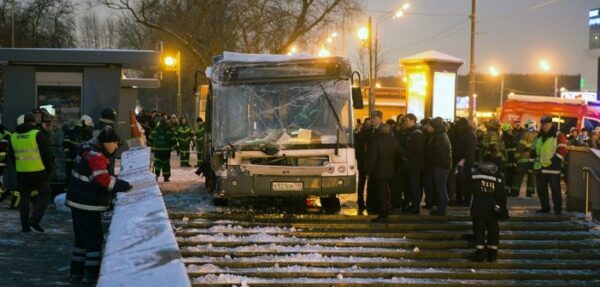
x=587 y=171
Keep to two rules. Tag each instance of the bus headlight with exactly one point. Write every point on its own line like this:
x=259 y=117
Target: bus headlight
x=342 y=169
x=340 y=182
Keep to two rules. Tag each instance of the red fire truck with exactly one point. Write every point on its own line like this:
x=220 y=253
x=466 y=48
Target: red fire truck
x=567 y=113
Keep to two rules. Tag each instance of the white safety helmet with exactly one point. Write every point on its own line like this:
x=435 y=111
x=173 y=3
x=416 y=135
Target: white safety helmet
x=87 y=121
x=20 y=120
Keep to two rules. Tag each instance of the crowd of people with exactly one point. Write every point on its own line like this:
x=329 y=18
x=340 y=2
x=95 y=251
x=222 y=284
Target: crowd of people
x=405 y=162
x=166 y=133
x=27 y=165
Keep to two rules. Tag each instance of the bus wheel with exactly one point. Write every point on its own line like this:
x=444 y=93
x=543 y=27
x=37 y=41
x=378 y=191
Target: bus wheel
x=330 y=204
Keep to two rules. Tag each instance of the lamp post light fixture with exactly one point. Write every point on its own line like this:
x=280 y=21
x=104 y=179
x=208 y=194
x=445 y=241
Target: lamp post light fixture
x=494 y=72
x=324 y=52
x=545 y=67
x=293 y=50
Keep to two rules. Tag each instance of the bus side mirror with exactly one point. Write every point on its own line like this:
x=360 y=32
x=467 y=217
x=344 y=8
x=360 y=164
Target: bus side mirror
x=357 y=99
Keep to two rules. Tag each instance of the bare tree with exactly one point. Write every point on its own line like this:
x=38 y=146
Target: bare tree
x=208 y=27
x=46 y=23
x=97 y=33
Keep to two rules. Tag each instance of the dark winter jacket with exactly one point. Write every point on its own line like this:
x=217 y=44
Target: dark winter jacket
x=382 y=156
x=439 y=150
x=32 y=178
x=488 y=192
x=466 y=144
x=413 y=146
x=92 y=186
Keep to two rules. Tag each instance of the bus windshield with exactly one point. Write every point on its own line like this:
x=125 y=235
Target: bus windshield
x=296 y=114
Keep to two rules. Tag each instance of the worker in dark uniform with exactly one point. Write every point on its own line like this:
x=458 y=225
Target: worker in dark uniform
x=510 y=158
x=183 y=133
x=488 y=206
x=88 y=195
x=30 y=151
x=163 y=142
x=381 y=160
x=74 y=137
x=199 y=137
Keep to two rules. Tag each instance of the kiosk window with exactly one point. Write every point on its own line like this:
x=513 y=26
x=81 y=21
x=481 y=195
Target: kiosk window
x=66 y=101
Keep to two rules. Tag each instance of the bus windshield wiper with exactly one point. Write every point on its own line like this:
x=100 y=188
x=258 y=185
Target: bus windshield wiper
x=337 y=118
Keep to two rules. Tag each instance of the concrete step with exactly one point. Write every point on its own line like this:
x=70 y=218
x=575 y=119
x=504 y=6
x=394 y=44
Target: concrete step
x=422 y=235
x=395 y=227
x=389 y=273
x=335 y=262
x=397 y=281
x=210 y=251
x=334 y=218
x=403 y=244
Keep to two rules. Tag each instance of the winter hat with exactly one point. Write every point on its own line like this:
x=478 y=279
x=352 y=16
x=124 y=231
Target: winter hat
x=546 y=119
x=108 y=135
x=108 y=116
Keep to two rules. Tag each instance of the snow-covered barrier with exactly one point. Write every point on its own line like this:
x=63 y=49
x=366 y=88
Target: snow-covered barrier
x=141 y=249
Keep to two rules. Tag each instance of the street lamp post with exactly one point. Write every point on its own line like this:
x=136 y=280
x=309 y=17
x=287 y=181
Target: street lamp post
x=178 y=71
x=371 y=80
x=391 y=14
x=364 y=34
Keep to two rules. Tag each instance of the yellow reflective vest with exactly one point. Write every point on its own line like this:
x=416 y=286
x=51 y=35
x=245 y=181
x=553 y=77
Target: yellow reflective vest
x=27 y=152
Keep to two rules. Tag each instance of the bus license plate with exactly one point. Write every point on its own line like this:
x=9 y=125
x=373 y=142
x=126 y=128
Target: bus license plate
x=287 y=186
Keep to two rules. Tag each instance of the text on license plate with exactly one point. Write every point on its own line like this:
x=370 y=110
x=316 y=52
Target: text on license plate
x=287 y=186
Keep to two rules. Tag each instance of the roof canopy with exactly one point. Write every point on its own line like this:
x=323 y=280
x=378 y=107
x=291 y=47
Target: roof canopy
x=83 y=57
x=432 y=56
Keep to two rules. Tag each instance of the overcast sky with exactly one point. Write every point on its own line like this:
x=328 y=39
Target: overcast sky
x=513 y=34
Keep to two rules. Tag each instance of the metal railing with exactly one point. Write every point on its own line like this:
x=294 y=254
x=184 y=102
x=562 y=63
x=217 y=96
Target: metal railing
x=587 y=171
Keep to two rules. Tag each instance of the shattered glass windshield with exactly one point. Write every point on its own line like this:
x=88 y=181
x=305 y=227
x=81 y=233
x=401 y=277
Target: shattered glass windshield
x=282 y=115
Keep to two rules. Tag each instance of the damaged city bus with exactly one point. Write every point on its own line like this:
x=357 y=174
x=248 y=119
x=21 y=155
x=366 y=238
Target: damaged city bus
x=281 y=126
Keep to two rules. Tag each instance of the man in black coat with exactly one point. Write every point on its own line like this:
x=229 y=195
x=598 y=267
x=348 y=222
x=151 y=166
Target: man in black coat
x=413 y=147
x=30 y=151
x=439 y=158
x=372 y=199
x=361 y=139
x=463 y=158
x=380 y=168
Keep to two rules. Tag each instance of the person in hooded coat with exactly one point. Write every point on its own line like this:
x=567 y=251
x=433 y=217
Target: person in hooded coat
x=439 y=159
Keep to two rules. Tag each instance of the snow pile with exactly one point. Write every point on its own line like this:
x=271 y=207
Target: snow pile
x=141 y=249
x=227 y=279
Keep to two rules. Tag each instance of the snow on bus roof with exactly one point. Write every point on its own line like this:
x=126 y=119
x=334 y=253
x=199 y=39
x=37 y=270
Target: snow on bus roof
x=257 y=58
x=250 y=58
